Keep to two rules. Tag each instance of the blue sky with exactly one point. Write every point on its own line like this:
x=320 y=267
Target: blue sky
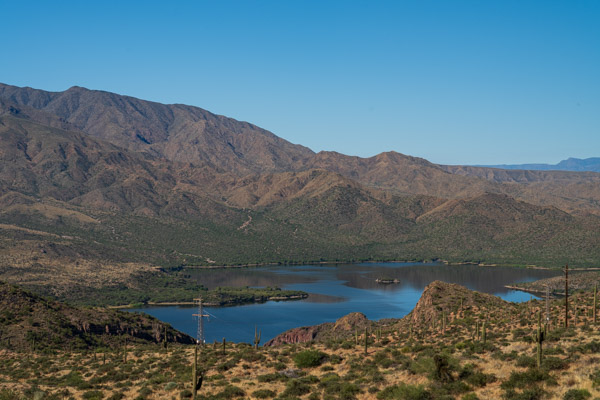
x=457 y=82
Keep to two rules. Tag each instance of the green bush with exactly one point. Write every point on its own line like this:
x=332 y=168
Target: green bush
x=93 y=395
x=263 y=394
x=230 y=392
x=535 y=393
x=404 y=392
x=296 y=387
x=527 y=378
x=577 y=394
x=309 y=358
x=526 y=361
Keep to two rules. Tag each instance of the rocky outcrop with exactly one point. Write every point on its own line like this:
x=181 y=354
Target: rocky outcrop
x=343 y=327
x=297 y=335
x=28 y=322
x=440 y=297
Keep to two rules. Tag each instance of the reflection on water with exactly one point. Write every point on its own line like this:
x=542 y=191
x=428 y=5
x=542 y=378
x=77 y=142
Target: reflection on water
x=335 y=290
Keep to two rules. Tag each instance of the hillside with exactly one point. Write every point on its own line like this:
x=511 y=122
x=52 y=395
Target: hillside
x=176 y=132
x=29 y=322
x=82 y=216
x=456 y=343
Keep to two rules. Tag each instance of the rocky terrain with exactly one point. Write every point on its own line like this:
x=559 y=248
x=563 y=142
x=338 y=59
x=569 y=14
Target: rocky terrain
x=456 y=343
x=100 y=191
x=30 y=323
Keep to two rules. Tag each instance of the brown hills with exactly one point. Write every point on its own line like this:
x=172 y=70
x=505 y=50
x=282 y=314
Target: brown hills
x=177 y=132
x=104 y=175
x=29 y=322
x=194 y=136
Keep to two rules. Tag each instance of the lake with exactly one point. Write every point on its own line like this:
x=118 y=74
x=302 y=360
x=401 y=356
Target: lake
x=335 y=290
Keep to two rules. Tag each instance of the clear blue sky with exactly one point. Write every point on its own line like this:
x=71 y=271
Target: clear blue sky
x=458 y=82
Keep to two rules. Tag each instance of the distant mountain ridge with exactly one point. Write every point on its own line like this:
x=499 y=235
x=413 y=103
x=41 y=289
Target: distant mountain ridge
x=591 y=164
x=177 y=132
x=98 y=175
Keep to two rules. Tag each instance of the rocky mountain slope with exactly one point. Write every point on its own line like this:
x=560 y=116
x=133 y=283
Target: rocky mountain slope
x=176 y=132
x=67 y=195
x=29 y=322
x=194 y=136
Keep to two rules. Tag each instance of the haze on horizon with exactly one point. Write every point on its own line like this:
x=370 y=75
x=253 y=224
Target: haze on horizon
x=460 y=82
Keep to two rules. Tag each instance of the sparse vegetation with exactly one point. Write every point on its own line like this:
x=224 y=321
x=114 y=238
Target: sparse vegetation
x=430 y=364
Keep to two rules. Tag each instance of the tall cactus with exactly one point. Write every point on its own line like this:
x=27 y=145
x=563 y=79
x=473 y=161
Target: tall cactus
x=197 y=376
x=567 y=296
x=595 y=301
x=366 y=340
x=483 y=333
x=539 y=338
x=224 y=342
x=256 y=337
x=443 y=321
x=165 y=339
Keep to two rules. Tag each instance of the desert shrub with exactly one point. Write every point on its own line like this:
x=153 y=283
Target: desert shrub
x=144 y=392
x=93 y=395
x=296 y=388
x=526 y=361
x=443 y=367
x=577 y=394
x=263 y=394
x=230 y=392
x=404 y=392
x=535 y=393
x=595 y=377
x=527 y=378
x=591 y=347
x=272 y=377
x=554 y=363
x=475 y=378
x=309 y=358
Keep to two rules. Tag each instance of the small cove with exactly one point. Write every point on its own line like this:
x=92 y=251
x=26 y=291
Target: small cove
x=335 y=290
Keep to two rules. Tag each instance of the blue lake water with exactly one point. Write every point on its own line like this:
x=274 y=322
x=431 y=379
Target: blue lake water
x=335 y=290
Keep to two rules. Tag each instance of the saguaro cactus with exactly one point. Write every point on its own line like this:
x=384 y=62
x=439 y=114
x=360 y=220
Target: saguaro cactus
x=539 y=338
x=224 y=346
x=595 y=302
x=443 y=321
x=567 y=296
x=483 y=333
x=256 y=337
x=366 y=340
x=197 y=376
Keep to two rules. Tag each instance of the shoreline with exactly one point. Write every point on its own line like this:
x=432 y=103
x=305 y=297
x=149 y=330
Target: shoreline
x=480 y=264
x=207 y=304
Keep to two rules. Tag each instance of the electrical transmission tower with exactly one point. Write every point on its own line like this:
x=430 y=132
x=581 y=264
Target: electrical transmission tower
x=200 y=315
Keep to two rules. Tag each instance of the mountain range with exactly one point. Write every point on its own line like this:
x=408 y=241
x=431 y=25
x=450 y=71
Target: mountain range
x=570 y=164
x=93 y=175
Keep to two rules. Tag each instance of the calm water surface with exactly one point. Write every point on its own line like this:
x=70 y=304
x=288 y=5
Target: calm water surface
x=335 y=290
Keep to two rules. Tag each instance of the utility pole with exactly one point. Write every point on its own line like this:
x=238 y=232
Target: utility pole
x=547 y=304
x=200 y=315
x=567 y=296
